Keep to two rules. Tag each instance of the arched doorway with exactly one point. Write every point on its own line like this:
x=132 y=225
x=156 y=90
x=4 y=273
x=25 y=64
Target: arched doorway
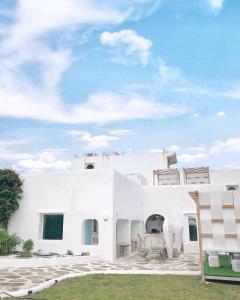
x=90 y=166
x=154 y=224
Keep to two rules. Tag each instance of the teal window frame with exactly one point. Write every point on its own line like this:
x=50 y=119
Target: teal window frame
x=53 y=226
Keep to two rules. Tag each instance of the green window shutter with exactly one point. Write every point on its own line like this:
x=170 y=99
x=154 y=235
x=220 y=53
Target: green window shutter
x=53 y=227
x=192 y=225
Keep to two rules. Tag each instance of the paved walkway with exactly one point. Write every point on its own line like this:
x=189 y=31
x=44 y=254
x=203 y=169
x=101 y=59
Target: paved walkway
x=13 y=279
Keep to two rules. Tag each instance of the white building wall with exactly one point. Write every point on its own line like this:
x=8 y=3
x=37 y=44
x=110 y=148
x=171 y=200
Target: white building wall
x=128 y=206
x=225 y=176
x=79 y=195
x=175 y=205
x=126 y=164
x=128 y=198
x=107 y=196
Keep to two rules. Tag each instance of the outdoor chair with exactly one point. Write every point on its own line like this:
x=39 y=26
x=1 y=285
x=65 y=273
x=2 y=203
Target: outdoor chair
x=213 y=260
x=236 y=264
x=154 y=254
x=141 y=255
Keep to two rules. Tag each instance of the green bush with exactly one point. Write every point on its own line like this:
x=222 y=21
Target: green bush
x=10 y=194
x=8 y=242
x=28 y=246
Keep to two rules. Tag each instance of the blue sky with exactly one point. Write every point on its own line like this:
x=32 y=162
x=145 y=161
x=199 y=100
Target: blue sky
x=128 y=75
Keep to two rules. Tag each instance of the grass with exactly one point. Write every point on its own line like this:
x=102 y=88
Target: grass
x=225 y=268
x=140 y=287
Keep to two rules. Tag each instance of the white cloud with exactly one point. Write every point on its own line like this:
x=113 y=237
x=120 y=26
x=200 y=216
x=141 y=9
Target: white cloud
x=170 y=76
x=135 y=43
x=33 y=162
x=98 y=108
x=186 y=158
x=120 y=132
x=108 y=107
x=196 y=115
x=93 y=141
x=173 y=148
x=43 y=161
x=38 y=17
x=231 y=166
x=6 y=143
x=216 y=5
x=20 y=98
x=197 y=149
x=220 y=114
x=230 y=145
x=24 y=45
x=233 y=93
x=7 y=154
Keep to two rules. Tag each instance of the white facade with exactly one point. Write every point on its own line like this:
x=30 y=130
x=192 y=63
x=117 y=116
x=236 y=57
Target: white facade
x=120 y=204
x=133 y=163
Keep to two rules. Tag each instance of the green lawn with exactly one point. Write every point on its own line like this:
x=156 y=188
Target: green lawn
x=224 y=270
x=127 y=287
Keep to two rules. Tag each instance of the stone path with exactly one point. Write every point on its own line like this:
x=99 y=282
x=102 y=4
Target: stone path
x=13 y=279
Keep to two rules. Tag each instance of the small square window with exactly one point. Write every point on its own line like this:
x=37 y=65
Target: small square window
x=52 y=227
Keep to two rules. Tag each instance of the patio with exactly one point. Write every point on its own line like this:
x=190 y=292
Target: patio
x=18 y=279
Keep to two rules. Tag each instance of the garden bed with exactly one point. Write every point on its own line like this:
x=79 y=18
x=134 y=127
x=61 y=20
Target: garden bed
x=225 y=269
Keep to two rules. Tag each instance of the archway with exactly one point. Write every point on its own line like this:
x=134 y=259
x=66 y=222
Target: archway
x=89 y=166
x=154 y=224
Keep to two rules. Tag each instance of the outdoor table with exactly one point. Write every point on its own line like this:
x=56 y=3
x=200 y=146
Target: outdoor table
x=123 y=246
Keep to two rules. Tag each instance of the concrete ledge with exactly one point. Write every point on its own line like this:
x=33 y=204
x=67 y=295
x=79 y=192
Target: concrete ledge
x=51 y=282
x=13 y=262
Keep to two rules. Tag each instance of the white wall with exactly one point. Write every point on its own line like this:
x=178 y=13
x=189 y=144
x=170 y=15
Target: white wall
x=175 y=204
x=128 y=201
x=128 y=198
x=127 y=163
x=225 y=176
x=106 y=195
x=79 y=195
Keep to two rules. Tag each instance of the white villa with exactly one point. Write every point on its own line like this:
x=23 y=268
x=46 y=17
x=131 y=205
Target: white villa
x=106 y=202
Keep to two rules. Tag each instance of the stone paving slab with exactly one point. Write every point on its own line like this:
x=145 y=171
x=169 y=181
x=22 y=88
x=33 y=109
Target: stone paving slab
x=13 y=279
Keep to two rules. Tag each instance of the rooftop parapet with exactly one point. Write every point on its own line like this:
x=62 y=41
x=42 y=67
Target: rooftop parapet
x=196 y=175
x=166 y=177
x=190 y=176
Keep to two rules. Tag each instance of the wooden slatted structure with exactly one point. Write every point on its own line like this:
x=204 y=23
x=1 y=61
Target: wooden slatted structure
x=196 y=175
x=166 y=177
x=219 y=234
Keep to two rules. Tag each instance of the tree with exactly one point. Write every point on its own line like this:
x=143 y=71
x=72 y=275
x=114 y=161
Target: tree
x=10 y=194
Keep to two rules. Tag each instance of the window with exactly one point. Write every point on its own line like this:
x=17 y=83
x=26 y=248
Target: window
x=192 y=225
x=90 y=232
x=89 y=166
x=52 y=227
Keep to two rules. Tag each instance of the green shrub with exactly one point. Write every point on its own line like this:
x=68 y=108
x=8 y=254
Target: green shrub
x=8 y=242
x=28 y=246
x=10 y=194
